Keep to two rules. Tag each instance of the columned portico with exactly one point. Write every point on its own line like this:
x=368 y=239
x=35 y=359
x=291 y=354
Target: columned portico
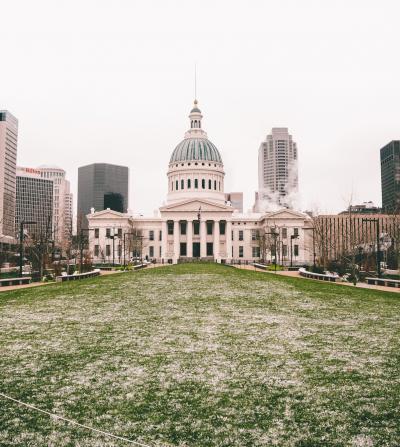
x=228 y=235
x=203 y=238
x=176 y=241
x=189 y=238
x=164 y=239
x=216 y=240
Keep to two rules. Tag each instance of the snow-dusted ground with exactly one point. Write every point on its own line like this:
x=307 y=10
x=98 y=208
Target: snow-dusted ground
x=201 y=356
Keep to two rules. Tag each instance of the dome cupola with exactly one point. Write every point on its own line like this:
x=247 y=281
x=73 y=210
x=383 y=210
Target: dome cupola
x=195 y=167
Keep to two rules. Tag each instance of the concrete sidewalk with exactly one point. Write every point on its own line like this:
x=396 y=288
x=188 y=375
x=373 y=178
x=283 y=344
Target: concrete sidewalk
x=296 y=274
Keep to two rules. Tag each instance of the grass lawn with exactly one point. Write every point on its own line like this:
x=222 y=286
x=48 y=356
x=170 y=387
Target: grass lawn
x=201 y=355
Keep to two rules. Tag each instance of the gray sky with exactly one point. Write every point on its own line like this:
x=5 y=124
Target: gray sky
x=101 y=81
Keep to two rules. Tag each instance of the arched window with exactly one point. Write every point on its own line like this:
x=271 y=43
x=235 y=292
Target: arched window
x=182 y=184
x=219 y=186
x=215 y=185
x=209 y=184
x=189 y=183
x=176 y=185
x=196 y=183
x=203 y=183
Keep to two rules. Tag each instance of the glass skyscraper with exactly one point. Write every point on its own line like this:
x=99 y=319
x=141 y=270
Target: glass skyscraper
x=101 y=186
x=390 y=176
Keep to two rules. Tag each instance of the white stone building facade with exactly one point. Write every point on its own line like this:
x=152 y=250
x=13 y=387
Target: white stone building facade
x=197 y=222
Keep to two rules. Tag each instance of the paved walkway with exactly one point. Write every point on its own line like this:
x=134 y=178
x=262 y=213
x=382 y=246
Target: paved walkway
x=296 y=274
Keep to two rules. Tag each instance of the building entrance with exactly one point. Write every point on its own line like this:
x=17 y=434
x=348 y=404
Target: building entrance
x=196 y=249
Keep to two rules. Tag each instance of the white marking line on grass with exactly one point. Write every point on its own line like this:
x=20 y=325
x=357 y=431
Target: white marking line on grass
x=73 y=422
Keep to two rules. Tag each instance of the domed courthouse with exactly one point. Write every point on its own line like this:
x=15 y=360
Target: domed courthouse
x=197 y=221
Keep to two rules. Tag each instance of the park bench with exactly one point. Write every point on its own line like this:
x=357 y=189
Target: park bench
x=15 y=281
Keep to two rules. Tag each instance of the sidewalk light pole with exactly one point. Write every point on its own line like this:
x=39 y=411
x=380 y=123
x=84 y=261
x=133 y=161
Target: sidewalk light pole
x=21 y=242
x=81 y=245
x=275 y=235
x=378 y=243
x=313 y=243
x=293 y=236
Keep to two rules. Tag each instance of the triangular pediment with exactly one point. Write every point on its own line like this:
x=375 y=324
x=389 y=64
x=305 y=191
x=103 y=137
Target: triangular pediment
x=195 y=205
x=285 y=214
x=106 y=214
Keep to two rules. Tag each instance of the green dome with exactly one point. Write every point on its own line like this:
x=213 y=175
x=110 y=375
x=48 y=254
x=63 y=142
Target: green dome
x=199 y=149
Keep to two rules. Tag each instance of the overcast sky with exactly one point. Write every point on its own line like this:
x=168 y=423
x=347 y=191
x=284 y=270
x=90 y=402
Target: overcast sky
x=113 y=81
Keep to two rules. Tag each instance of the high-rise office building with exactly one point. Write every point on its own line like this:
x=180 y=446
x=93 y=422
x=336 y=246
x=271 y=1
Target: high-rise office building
x=390 y=176
x=277 y=171
x=62 y=203
x=34 y=203
x=8 y=165
x=101 y=186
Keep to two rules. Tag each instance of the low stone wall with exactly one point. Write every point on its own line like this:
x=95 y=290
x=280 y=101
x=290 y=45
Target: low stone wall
x=383 y=282
x=319 y=276
x=15 y=281
x=78 y=276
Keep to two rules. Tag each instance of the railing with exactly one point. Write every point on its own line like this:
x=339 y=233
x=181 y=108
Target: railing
x=319 y=276
x=78 y=276
x=383 y=282
x=15 y=281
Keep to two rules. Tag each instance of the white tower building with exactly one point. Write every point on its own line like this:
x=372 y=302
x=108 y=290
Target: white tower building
x=62 y=202
x=277 y=171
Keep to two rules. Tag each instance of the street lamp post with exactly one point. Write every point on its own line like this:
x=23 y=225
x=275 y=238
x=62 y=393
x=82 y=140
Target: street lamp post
x=275 y=236
x=81 y=246
x=21 y=243
x=378 y=243
x=313 y=243
x=293 y=236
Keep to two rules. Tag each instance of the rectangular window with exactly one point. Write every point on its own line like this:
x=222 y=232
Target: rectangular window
x=120 y=233
x=284 y=233
x=295 y=232
x=254 y=235
x=151 y=251
x=96 y=233
x=119 y=251
x=296 y=250
x=160 y=251
x=183 y=227
x=108 y=250
x=151 y=235
x=240 y=251
x=196 y=227
x=96 y=250
x=196 y=183
x=222 y=226
x=256 y=252
x=170 y=224
x=176 y=185
x=189 y=183
x=284 y=250
x=108 y=232
x=182 y=184
x=240 y=235
x=209 y=248
x=160 y=236
x=209 y=227
x=203 y=183
x=183 y=250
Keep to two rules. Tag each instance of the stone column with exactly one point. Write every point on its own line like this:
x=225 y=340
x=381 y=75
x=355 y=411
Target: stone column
x=164 y=238
x=203 y=239
x=216 y=241
x=228 y=238
x=176 y=241
x=189 y=238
